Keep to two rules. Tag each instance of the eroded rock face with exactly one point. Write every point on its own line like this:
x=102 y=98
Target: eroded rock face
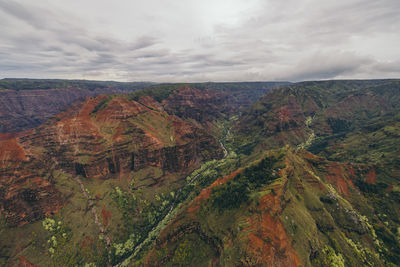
x=26 y=198
x=103 y=138
x=200 y=105
x=26 y=109
x=208 y=105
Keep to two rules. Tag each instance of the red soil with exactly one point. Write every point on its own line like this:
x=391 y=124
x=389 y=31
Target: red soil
x=371 y=177
x=10 y=150
x=118 y=137
x=87 y=242
x=120 y=108
x=148 y=101
x=389 y=188
x=283 y=114
x=338 y=177
x=80 y=124
x=23 y=262
x=205 y=193
x=106 y=216
x=7 y=136
x=268 y=244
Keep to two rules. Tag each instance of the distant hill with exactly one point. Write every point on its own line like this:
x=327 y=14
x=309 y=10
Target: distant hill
x=42 y=84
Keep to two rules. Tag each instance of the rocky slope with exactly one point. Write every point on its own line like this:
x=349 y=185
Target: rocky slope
x=96 y=142
x=111 y=142
x=304 y=211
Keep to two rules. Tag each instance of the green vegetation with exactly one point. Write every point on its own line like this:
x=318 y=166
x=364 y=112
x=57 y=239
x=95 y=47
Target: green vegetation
x=158 y=92
x=101 y=105
x=229 y=196
x=234 y=193
x=139 y=217
x=331 y=259
x=338 y=125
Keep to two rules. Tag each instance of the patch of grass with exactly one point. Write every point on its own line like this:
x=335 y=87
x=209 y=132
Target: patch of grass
x=232 y=194
x=102 y=105
x=192 y=251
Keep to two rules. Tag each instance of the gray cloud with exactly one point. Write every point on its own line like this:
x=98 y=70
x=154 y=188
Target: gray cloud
x=17 y=10
x=210 y=40
x=327 y=65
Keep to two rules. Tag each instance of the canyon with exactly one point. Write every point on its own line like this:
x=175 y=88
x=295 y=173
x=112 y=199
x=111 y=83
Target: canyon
x=213 y=174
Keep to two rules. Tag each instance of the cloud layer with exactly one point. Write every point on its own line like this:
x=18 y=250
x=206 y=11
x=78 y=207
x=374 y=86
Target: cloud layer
x=209 y=40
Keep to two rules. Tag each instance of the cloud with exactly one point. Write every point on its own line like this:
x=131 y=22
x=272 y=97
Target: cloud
x=165 y=40
x=327 y=65
x=18 y=11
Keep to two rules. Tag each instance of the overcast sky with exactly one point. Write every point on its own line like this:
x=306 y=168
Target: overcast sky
x=200 y=40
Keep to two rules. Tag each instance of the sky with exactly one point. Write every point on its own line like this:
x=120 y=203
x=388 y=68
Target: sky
x=197 y=41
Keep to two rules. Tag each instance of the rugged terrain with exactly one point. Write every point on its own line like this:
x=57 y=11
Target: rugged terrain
x=290 y=209
x=25 y=104
x=209 y=175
